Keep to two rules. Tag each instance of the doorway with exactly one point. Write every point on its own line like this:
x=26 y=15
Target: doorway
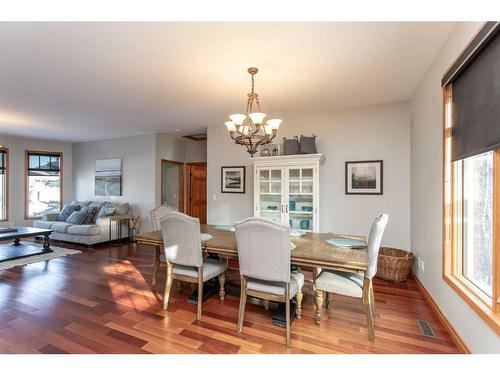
x=172 y=184
x=196 y=197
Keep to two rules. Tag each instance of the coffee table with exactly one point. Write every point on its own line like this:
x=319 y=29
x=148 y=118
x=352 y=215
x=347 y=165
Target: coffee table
x=16 y=249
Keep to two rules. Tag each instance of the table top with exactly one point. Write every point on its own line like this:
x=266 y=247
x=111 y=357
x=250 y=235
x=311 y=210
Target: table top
x=311 y=249
x=23 y=232
x=119 y=218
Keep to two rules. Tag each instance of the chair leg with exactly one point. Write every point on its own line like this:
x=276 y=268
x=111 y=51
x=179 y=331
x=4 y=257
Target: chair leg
x=265 y=303
x=368 y=302
x=369 y=319
x=319 y=305
x=372 y=297
x=222 y=281
x=298 y=298
x=179 y=286
x=328 y=300
x=243 y=302
x=157 y=265
x=200 y=292
x=168 y=285
x=155 y=272
x=287 y=313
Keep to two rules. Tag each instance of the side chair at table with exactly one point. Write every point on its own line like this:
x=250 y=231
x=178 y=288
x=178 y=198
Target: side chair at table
x=352 y=284
x=184 y=256
x=156 y=215
x=264 y=253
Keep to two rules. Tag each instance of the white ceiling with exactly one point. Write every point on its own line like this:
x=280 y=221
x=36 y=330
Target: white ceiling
x=87 y=81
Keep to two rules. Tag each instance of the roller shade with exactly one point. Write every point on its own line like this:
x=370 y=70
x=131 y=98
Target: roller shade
x=476 y=97
x=43 y=164
x=2 y=162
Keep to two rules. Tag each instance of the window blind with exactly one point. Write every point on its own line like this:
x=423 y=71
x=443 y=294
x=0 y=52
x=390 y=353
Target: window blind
x=43 y=164
x=2 y=162
x=475 y=84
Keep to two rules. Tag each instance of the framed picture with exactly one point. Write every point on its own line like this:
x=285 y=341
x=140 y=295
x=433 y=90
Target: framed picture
x=364 y=177
x=108 y=177
x=232 y=180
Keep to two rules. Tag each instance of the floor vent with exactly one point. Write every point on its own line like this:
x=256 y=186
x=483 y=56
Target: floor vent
x=425 y=328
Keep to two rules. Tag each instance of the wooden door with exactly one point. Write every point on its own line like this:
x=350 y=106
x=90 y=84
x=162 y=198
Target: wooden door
x=197 y=191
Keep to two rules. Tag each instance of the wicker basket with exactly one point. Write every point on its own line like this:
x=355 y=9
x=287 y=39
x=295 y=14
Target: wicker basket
x=394 y=264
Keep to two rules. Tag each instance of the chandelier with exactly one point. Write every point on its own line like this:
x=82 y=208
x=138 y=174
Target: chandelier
x=249 y=129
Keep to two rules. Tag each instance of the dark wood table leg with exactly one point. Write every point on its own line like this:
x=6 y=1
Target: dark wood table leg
x=17 y=242
x=46 y=244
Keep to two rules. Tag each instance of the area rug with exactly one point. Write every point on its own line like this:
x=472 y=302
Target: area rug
x=56 y=253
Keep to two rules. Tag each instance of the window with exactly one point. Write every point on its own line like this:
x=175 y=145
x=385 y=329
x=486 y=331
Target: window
x=471 y=175
x=4 y=188
x=477 y=219
x=471 y=223
x=43 y=183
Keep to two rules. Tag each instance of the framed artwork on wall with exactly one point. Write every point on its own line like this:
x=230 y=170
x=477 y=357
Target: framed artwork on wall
x=232 y=180
x=364 y=177
x=108 y=177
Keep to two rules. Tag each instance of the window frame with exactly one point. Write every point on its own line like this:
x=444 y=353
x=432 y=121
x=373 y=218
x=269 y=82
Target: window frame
x=487 y=308
x=5 y=150
x=27 y=153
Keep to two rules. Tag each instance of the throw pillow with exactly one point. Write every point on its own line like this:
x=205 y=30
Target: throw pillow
x=78 y=217
x=106 y=210
x=67 y=210
x=121 y=209
x=92 y=215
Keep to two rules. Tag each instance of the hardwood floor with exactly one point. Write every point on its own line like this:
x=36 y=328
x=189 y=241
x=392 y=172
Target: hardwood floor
x=101 y=301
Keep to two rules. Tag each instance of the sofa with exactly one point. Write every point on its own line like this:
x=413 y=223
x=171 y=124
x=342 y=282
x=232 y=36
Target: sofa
x=86 y=234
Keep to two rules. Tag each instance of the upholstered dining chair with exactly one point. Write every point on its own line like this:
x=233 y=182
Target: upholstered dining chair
x=184 y=257
x=264 y=252
x=156 y=215
x=353 y=284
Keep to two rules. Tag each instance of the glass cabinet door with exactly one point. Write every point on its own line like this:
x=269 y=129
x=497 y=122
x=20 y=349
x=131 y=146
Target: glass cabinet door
x=270 y=198
x=301 y=198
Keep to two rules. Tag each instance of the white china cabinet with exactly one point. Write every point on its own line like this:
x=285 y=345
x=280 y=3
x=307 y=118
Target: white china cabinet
x=287 y=189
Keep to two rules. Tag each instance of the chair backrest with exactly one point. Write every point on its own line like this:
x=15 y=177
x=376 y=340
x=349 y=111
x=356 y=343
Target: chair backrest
x=264 y=249
x=182 y=239
x=158 y=212
x=374 y=240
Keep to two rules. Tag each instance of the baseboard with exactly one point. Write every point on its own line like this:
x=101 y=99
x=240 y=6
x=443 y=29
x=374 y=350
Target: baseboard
x=449 y=328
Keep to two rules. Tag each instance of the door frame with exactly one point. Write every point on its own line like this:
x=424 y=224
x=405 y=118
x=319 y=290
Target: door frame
x=188 y=183
x=182 y=167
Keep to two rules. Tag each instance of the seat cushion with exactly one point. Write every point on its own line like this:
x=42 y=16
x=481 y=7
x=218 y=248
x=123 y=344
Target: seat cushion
x=346 y=283
x=278 y=288
x=61 y=227
x=84 y=230
x=43 y=224
x=211 y=268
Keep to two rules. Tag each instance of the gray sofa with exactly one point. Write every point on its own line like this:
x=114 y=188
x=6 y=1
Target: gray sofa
x=87 y=234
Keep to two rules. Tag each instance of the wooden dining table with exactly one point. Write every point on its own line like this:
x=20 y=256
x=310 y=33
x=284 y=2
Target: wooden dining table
x=311 y=250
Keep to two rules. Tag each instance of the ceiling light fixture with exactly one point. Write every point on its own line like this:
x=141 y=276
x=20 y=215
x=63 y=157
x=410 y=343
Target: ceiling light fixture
x=249 y=129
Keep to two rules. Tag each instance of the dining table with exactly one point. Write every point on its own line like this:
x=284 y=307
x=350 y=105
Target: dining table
x=311 y=250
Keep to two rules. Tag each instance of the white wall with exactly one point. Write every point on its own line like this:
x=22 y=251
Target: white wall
x=141 y=163
x=426 y=196
x=377 y=132
x=138 y=169
x=17 y=146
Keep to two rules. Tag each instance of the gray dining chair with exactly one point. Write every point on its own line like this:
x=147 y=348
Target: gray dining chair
x=353 y=284
x=156 y=215
x=264 y=253
x=184 y=256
